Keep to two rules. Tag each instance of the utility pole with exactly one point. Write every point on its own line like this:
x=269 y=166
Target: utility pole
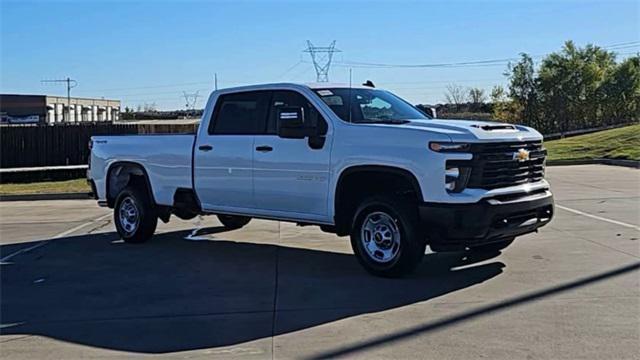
x=321 y=57
x=70 y=85
x=215 y=81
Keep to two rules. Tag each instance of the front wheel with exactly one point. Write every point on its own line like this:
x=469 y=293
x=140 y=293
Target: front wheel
x=233 y=222
x=386 y=236
x=134 y=215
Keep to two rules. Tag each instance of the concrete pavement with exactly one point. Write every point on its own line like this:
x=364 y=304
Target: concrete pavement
x=274 y=290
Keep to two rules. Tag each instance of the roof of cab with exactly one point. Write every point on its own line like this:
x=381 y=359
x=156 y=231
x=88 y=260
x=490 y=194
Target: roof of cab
x=324 y=85
x=312 y=86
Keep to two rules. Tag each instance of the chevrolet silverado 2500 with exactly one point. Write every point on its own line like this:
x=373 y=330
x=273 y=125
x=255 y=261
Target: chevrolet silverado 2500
x=356 y=161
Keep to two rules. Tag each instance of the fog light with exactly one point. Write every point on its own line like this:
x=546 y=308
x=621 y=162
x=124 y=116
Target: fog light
x=451 y=175
x=456 y=178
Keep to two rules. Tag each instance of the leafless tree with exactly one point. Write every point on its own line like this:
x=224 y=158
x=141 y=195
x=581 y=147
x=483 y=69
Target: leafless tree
x=150 y=107
x=455 y=94
x=477 y=96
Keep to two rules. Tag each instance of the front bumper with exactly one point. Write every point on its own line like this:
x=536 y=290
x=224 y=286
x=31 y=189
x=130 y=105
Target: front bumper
x=457 y=226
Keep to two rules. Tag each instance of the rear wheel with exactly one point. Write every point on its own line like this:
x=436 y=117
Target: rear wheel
x=135 y=215
x=386 y=236
x=233 y=222
x=493 y=247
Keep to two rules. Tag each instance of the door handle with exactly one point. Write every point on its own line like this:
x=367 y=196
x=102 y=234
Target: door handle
x=264 y=148
x=205 y=147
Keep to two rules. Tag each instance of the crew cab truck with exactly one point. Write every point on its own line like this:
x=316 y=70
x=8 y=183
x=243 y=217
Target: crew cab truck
x=356 y=161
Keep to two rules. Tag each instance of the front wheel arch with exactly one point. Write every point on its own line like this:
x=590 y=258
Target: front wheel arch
x=356 y=183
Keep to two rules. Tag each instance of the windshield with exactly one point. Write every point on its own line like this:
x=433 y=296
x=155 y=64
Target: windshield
x=369 y=105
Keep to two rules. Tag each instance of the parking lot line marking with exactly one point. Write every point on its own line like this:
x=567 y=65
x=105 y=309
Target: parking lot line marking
x=33 y=247
x=72 y=230
x=578 y=212
x=57 y=236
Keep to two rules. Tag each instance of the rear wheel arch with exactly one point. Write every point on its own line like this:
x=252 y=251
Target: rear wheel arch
x=357 y=182
x=125 y=173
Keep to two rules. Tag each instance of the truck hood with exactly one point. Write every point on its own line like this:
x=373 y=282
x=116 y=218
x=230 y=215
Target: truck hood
x=475 y=130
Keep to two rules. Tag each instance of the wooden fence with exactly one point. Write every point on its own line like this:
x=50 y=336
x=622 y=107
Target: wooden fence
x=46 y=145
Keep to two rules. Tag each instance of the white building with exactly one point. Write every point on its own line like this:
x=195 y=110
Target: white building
x=46 y=109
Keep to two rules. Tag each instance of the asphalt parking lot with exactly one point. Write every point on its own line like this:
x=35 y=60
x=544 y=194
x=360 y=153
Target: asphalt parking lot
x=71 y=289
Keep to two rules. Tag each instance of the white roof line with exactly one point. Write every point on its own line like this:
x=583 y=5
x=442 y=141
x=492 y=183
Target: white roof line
x=312 y=86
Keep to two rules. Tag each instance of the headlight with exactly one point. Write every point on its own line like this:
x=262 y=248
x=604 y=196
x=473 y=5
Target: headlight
x=449 y=147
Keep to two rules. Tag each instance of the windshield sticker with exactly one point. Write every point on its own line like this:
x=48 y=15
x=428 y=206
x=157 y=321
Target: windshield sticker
x=325 y=92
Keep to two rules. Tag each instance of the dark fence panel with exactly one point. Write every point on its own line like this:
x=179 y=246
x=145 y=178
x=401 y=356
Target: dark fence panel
x=46 y=145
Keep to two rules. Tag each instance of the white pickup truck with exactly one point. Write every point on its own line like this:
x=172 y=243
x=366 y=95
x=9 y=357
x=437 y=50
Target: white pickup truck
x=356 y=161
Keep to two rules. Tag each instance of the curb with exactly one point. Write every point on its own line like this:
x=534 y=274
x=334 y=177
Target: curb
x=615 y=162
x=51 y=196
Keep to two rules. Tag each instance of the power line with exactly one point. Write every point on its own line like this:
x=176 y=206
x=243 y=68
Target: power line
x=466 y=63
x=304 y=71
x=369 y=66
x=70 y=85
x=176 y=92
x=176 y=99
x=155 y=86
x=622 y=44
x=623 y=47
x=290 y=69
x=471 y=63
x=436 y=81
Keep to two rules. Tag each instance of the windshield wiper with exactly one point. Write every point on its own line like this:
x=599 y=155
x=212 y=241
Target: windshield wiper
x=389 y=121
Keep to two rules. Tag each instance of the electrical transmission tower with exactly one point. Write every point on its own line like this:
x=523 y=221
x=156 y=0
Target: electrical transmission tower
x=321 y=57
x=191 y=100
x=70 y=85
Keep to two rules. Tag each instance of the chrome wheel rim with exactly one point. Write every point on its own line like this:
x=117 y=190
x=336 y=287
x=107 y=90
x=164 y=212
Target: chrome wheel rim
x=129 y=216
x=380 y=237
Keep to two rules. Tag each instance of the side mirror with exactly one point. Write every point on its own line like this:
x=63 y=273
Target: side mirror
x=292 y=125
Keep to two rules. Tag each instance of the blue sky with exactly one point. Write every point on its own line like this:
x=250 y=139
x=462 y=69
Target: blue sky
x=152 y=51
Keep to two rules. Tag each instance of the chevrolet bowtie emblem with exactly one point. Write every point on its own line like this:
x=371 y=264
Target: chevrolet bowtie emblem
x=521 y=155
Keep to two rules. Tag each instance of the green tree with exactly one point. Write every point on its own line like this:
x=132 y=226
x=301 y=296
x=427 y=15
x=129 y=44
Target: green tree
x=522 y=90
x=502 y=107
x=620 y=92
x=568 y=86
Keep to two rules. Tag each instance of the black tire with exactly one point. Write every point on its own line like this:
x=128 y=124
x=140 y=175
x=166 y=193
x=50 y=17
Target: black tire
x=493 y=247
x=147 y=216
x=233 y=221
x=396 y=216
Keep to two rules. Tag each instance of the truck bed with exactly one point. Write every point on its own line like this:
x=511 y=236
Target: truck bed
x=166 y=158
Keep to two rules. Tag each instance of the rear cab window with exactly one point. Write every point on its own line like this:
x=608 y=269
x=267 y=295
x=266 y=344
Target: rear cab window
x=243 y=113
x=255 y=112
